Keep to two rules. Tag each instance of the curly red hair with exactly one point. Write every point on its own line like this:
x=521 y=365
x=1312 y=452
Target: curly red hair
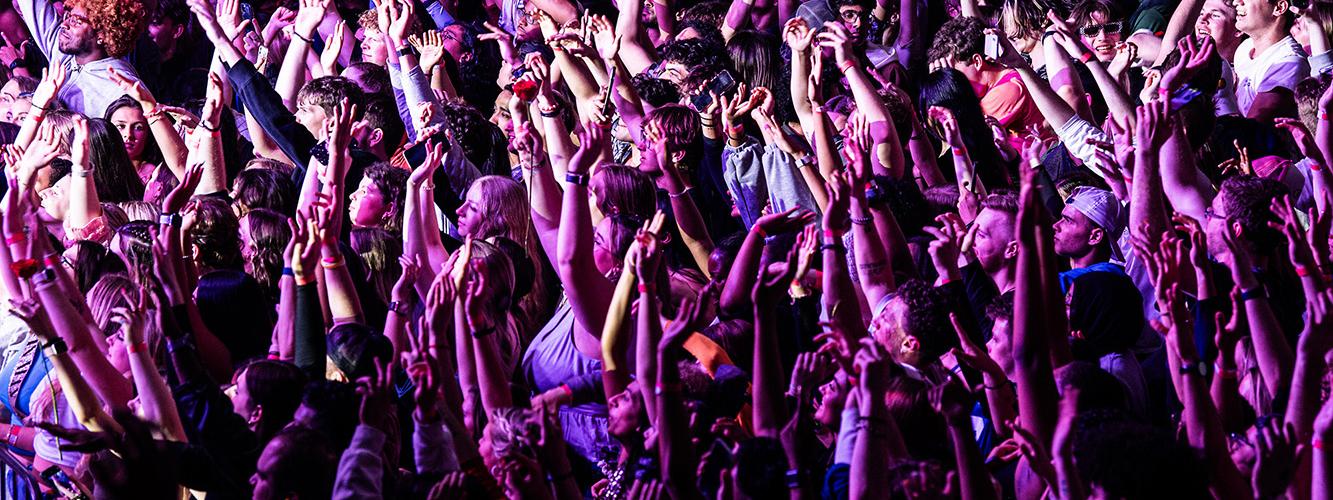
x=118 y=23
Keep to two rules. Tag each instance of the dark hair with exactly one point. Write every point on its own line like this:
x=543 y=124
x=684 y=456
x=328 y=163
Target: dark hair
x=709 y=12
x=264 y=188
x=471 y=129
x=374 y=77
x=236 y=310
x=1130 y=460
x=949 y=89
x=958 y=39
x=1097 y=389
x=865 y=5
x=306 y=464
x=756 y=57
x=683 y=132
x=1108 y=311
x=353 y=347
x=328 y=92
x=694 y=52
x=475 y=76
x=277 y=386
x=113 y=173
x=379 y=249
x=152 y=153
x=1002 y=200
x=391 y=181
x=382 y=113
x=655 y=91
x=1247 y=202
x=736 y=338
x=908 y=400
x=927 y=317
x=624 y=190
x=216 y=234
x=269 y=234
x=710 y=33
x=175 y=10
x=91 y=262
x=334 y=409
x=1084 y=9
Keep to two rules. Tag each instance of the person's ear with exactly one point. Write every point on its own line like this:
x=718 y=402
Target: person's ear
x=1237 y=230
x=1281 y=7
x=1096 y=235
x=679 y=156
x=179 y=32
x=255 y=416
x=977 y=60
x=911 y=344
x=376 y=137
x=1011 y=250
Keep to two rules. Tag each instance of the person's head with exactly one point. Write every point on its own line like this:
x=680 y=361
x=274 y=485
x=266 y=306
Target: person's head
x=955 y=91
x=1218 y=20
x=374 y=47
x=329 y=407
x=1022 y=22
x=611 y=242
x=381 y=129
x=621 y=190
x=266 y=393
x=1100 y=24
x=214 y=234
x=709 y=33
x=133 y=243
x=264 y=235
x=1241 y=210
x=510 y=431
x=757 y=58
x=626 y=417
x=378 y=200
x=915 y=326
x=127 y=116
x=1089 y=224
x=354 y=347
x=237 y=310
x=960 y=44
x=1254 y=17
x=682 y=129
x=472 y=63
x=679 y=58
x=855 y=16
x=995 y=243
x=92 y=29
x=317 y=100
x=372 y=78
x=495 y=206
x=113 y=173
x=471 y=129
x=168 y=25
x=90 y=261
x=1000 y=312
x=656 y=91
x=1120 y=458
x=297 y=463
x=380 y=250
x=263 y=187
x=458 y=40
x=1105 y=314
x=106 y=295
x=16 y=98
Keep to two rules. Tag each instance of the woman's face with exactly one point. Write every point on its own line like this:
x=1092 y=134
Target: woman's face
x=115 y=349
x=624 y=411
x=53 y=198
x=368 y=207
x=248 y=247
x=470 y=213
x=133 y=129
x=18 y=110
x=8 y=94
x=603 y=249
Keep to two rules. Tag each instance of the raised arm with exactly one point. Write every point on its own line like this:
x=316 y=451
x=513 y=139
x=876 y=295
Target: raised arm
x=155 y=401
x=344 y=304
x=841 y=303
x=588 y=291
x=82 y=398
x=482 y=326
x=1147 y=207
x=1035 y=380
x=636 y=49
x=874 y=268
x=676 y=451
x=84 y=206
x=1117 y=98
x=164 y=132
x=293 y=73
x=887 y=155
x=688 y=219
x=770 y=413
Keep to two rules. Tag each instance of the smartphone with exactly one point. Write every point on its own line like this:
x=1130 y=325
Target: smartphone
x=61 y=482
x=720 y=84
x=606 y=99
x=992 y=49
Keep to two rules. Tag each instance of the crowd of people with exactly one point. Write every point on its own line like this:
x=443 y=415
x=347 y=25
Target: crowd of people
x=666 y=249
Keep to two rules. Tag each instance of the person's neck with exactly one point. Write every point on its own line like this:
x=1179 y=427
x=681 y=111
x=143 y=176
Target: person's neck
x=1095 y=256
x=1266 y=37
x=90 y=56
x=990 y=74
x=1038 y=58
x=1003 y=278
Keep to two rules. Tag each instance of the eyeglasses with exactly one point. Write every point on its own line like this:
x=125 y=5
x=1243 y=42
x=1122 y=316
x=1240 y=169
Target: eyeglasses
x=1097 y=29
x=851 y=15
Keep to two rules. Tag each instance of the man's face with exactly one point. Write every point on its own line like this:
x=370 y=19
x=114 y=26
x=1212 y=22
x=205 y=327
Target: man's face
x=994 y=239
x=1101 y=35
x=76 y=36
x=1218 y=20
x=1254 y=15
x=1073 y=233
x=373 y=48
x=312 y=117
x=856 y=20
x=674 y=72
x=165 y=32
x=1216 y=225
x=452 y=41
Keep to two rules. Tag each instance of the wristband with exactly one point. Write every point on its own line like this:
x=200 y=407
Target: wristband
x=1323 y=115
x=1253 y=294
x=794 y=478
x=681 y=194
x=45 y=276
x=960 y=151
x=13 y=438
x=406 y=50
x=53 y=260
x=55 y=348
x=576 y=179
x=863 y=221
x=846 y=65
x=17 y=238
x=25 y=268
x=552 y=113
x=304 y=39
x=834 y=234
x=137 y=347
x=735 y=130
x=333 y=263
x=805 y=161
x=666 y=388
x=303 y=281
x=832 y=246
x=1317 y=443
x=397 y=306
x=204 y=125
x=1087 y=56
x=1315 y=166
x=287 y=271
x=83 y=172
x=483 y=332
x=172 y=219
x=1302 y=271
x=645 y=288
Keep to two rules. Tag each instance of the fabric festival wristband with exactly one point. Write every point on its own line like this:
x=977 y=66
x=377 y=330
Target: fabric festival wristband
x=25 y=268
x=834 y=234
x=17 y=238
x=138 y=347
x=1087 y=56
x=645 y=288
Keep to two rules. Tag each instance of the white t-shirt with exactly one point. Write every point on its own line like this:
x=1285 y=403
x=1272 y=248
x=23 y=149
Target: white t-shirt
x=1281 y=66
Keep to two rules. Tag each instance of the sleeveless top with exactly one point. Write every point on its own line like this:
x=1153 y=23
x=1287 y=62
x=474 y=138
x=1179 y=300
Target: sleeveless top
x=551 y=359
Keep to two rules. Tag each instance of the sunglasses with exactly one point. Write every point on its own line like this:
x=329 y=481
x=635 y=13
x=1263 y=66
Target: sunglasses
x=1097 y=29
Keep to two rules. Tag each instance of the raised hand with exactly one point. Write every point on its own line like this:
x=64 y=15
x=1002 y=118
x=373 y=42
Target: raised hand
x=604 y=37
x=376 y=391
x=10 y=52
x=798 y=35
x=786 y=221
x=857 y=148
x=308 y=17
x=339 y=125
x=1278 y=454
x=1154 y=125
x=1125 y=55
x=1300 y=134
x=951 y=400
x=305 y=246
x=213 y=107
x=592 y=140
x=775 y=280
x=43 y=149
x=733 y=108
x=503 y=39
x=208 y=20
x=811 y=370
x=333 y=49
x=1298 y=247
x=53 y=78
x=837 y=38
x=424 y=371
x=971 y=355
x=133 y=88
x=229 y=17
x=1194 y=55
x=836 y=215
x=402 y=14
x=34 y=315
x=431 y=47
x=946 y=246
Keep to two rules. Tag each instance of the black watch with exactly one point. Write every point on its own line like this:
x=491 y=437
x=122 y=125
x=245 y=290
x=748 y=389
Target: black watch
x=1197 y=368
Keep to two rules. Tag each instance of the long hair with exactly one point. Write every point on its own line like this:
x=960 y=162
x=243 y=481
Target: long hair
x=269 y=235
x=113 y=172
x=379 y=249
x=947 y=88
x=757 y=57
x=508 y=215
x=152 y=153
x=499 y=299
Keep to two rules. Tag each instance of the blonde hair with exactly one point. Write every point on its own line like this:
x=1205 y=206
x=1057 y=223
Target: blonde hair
x=508 y=214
